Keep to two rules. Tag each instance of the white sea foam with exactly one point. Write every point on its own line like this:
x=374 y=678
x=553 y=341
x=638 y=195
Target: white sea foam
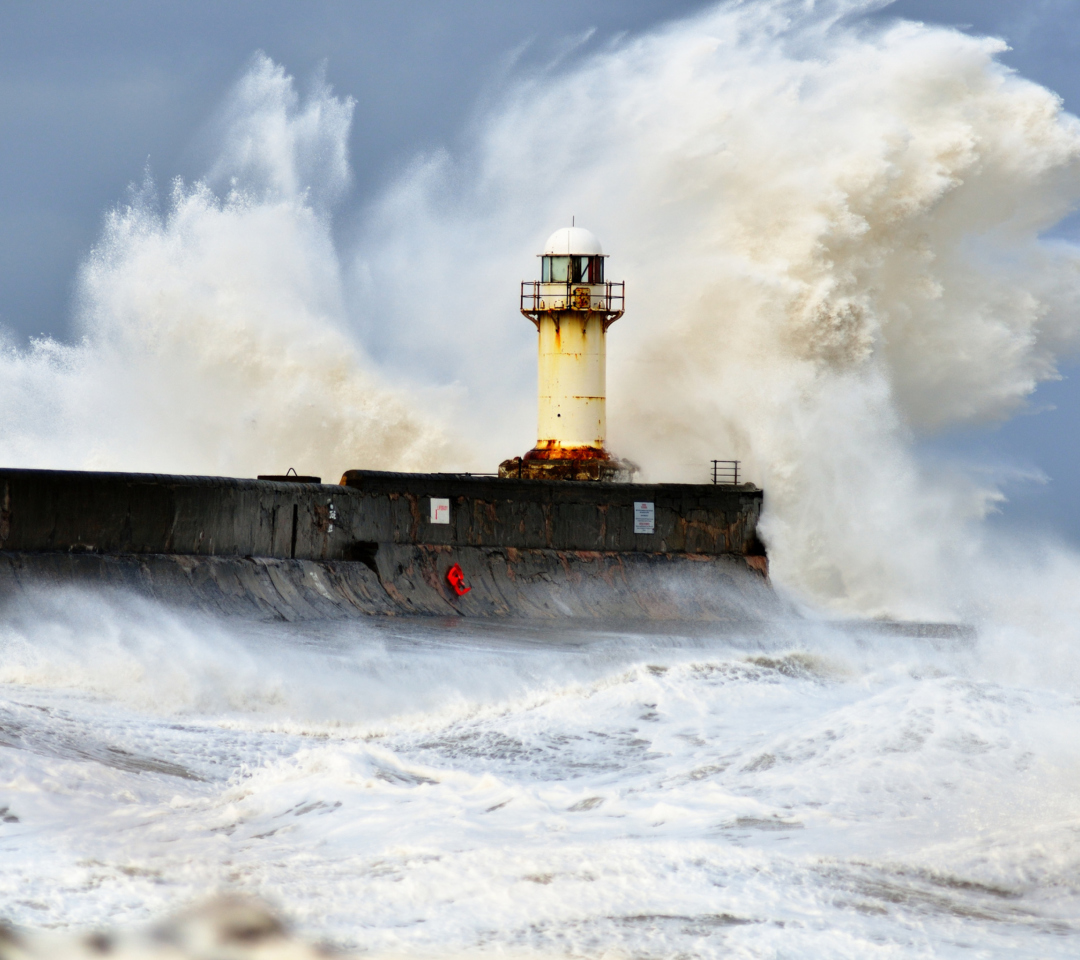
x=807 y=793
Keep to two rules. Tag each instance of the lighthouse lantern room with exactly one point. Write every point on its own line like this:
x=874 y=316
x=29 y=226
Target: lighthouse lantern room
x=572 y=306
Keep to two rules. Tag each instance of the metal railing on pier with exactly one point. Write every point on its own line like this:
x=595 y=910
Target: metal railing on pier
x=725 y=471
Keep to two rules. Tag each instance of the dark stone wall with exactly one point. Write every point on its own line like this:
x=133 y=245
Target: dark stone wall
x=115 y=513
x=118 y=513
x=559 y=515
x=410 y=580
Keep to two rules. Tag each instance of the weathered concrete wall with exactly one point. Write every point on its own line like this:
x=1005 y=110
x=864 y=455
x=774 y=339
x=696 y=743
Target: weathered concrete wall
x=292 y=551
x=112 y=513
x=558 y=515
x=77 y=512
x=410 y=580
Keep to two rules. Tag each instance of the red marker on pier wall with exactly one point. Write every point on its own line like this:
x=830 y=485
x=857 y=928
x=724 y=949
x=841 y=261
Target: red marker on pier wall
x=456 y=579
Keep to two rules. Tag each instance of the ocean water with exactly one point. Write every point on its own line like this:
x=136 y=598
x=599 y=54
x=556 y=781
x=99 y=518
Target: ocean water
x=439 y=787
x=837 y=235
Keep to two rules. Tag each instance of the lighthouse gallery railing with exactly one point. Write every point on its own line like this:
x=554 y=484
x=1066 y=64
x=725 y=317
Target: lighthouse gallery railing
x=538 y=296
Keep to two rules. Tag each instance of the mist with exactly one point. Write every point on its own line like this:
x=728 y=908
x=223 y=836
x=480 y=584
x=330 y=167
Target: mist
x=831 y=232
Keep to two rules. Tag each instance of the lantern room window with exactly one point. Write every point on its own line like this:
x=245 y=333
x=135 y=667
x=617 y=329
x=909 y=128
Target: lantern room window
x=572 y=270
x=555 y=269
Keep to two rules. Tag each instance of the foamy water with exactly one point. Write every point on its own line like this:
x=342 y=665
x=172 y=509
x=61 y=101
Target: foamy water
x=436 y=788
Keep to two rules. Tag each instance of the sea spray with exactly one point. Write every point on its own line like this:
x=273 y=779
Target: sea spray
x=212 y=330
x=831 y=233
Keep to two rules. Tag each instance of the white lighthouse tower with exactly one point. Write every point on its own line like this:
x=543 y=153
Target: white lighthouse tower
x=572 y=306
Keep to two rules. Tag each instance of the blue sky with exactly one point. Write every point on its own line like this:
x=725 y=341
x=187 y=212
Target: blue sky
x=93 y=92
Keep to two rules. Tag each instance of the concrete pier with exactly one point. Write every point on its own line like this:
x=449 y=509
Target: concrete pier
x=280 y=550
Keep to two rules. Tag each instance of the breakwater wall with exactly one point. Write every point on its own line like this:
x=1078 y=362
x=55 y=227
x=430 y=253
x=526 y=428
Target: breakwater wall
x=374 y=545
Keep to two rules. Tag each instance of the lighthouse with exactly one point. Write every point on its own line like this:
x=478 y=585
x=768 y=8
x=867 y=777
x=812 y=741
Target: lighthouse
x=571 y=305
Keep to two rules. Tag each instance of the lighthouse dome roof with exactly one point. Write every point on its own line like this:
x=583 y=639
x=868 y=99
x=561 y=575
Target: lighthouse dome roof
x=573 y=242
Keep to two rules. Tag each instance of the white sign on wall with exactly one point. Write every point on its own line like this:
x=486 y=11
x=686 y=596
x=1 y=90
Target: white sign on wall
x=440 y=510
x=644 y=517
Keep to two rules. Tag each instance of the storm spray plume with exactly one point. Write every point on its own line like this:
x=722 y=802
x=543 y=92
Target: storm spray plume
x=212 y=333
x=830 y=233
